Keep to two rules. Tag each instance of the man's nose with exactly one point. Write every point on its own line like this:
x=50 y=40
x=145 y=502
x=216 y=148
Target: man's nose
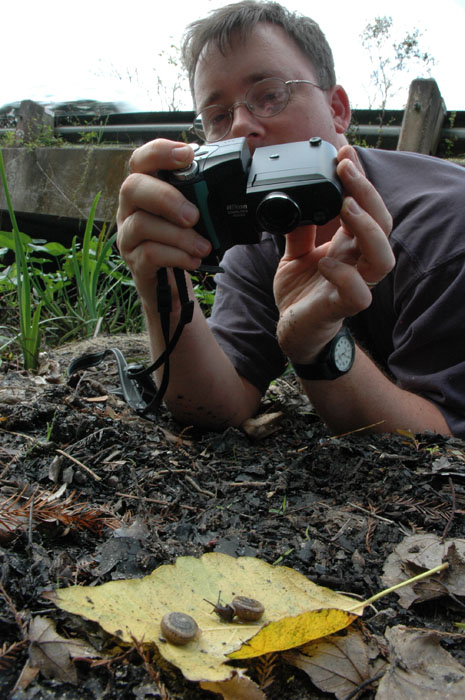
x=244 y=122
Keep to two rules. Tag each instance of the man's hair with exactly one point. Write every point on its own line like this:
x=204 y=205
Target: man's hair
x=223 y=25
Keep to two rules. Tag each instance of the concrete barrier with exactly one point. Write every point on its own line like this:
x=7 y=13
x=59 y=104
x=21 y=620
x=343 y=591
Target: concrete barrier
x=63 y=182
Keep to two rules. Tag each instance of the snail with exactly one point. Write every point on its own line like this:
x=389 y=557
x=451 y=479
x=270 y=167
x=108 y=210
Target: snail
x=179 y=628
x=246 y=609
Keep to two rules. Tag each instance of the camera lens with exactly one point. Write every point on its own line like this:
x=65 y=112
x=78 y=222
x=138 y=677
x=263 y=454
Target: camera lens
x=278 y=213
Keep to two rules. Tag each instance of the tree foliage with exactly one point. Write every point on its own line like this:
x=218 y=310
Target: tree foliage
x=392 y=59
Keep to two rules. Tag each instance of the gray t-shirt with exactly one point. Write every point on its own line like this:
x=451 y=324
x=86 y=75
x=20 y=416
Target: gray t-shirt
x=414 y=328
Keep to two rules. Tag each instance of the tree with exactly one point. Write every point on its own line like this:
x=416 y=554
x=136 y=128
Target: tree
x=162 y=87
x=391 y=60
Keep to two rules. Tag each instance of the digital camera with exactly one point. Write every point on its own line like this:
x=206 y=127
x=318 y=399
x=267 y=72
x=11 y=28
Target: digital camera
x=239 y=196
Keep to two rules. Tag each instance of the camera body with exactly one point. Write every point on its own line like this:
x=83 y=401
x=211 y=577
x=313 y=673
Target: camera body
x=239 y=196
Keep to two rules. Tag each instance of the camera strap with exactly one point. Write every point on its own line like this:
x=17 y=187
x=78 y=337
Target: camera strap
x=138 y=388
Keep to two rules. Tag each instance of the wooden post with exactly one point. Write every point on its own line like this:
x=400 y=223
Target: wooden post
x=32 y=118
x=423 y=118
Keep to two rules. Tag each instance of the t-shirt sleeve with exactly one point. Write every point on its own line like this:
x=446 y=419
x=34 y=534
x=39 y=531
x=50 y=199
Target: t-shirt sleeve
x=245 y=316
x=416 y=323
x=428 y=338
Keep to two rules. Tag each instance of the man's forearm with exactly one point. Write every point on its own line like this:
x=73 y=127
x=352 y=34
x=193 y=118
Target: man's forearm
x=365 y=397
x=204 y=388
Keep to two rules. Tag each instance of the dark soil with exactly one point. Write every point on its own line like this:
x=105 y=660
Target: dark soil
x=331 y=507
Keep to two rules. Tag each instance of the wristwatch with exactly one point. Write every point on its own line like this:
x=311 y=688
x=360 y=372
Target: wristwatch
x=336 y=359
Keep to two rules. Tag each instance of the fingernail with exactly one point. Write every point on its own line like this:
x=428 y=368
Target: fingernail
x=189 y=212
x=351 y=170
x=352 y=206
x=202 y=246
x=180 y=154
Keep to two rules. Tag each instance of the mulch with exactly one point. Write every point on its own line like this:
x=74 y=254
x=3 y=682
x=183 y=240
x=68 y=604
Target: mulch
x=331 y=507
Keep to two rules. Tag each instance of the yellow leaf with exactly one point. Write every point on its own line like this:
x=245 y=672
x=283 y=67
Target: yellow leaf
x=296 y=610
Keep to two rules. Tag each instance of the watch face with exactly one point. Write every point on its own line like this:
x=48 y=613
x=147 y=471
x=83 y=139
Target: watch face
x=343 y=354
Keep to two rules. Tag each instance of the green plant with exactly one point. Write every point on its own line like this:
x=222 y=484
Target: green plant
x=281 y=557
x=59 y=294
x=391 y=59
x=29 y=315
x=87 y=269
x=204 y=291
x=79 y=291
x=44 y=136
x=8 y=139
x=449 y=143
x=282 y=510
x=94 y=137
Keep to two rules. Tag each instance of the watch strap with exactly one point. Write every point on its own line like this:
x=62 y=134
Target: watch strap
x=324 y=367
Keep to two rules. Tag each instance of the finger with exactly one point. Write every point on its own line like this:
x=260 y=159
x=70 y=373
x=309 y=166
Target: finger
x=160 y=154
x=350 y=153
x=376 y=258
x=141 y=229
x=352 y=294
x=300 y=242
x=140 y=191
x=358 y=186
x=149 y=256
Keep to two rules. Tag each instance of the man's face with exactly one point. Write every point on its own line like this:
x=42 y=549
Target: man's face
x=269 y=52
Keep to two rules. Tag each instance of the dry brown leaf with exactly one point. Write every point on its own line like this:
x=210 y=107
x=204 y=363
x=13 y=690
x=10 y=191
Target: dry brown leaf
x=53 y=654
x=262 y=426
x=420 y=668
x=28 y=674
x=239 y=687
x=419 y=553
x=339 y=663
x=49 y=653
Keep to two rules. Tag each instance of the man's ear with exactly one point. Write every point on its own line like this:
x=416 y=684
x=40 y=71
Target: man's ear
x=340 y=107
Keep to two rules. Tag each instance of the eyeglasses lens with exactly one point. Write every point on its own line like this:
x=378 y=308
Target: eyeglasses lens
x=264 y=99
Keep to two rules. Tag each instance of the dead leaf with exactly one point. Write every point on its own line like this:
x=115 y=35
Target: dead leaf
x=418 y=553
x=339 y=663
x=420 y=668
x=53 y=654
x=239 y=687
x=296 y=610
x=28 y=674
x=262 y=426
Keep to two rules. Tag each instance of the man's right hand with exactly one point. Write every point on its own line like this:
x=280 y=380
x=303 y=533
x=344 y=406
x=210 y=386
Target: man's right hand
x=155 y=220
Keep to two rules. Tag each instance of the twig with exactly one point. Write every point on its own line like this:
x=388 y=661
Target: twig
x=370 y=513
x=357 y=430
x=153 y=500
x=31 y=511
x=80 y=464
x=198 y=488
x=247 y=484
x=17 y=616
x=153 y=673
x=145 y=499
x=452 y=513
x=363 y=685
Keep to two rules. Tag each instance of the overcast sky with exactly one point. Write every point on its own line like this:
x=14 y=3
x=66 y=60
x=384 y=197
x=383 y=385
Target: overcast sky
x=54 y=51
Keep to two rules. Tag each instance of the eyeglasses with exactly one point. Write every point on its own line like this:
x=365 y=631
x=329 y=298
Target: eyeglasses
x=267 y=98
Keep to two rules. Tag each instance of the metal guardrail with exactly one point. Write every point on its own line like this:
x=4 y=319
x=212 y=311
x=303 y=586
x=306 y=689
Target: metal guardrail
x=370 y=127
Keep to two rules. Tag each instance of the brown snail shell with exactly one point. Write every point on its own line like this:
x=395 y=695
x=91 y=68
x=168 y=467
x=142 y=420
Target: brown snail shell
x=247 y=609
x=179 y=628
